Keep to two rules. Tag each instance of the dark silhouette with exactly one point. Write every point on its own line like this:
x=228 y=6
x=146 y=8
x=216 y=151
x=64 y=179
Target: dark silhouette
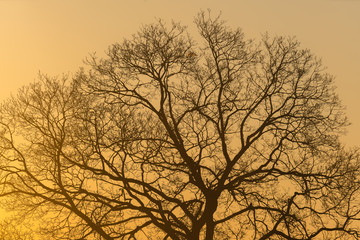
x=10 y=229
x=165 y=138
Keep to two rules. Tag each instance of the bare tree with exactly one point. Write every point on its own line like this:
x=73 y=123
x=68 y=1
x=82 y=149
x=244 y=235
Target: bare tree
x=169 y=139
x=10 y=229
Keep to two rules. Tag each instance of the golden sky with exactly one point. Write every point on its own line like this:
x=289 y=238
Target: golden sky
x=54 y=36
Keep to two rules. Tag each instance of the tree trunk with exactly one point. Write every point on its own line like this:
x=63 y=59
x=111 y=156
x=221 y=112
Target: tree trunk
x=210 y=229
x=210 y=208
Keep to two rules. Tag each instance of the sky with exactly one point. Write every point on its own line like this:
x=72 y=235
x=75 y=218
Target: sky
x=55 y=36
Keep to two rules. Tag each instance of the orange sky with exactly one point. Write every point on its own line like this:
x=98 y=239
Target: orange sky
x=54 y=36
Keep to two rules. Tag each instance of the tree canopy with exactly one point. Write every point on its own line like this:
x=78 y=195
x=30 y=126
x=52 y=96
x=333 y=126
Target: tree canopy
x=171 y=138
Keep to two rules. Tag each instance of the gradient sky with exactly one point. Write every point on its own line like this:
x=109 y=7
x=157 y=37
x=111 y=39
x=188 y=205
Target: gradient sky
x=54 y=36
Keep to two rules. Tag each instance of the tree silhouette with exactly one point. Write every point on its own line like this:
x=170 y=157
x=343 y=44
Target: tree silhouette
x=11 y=230
x=165 y=138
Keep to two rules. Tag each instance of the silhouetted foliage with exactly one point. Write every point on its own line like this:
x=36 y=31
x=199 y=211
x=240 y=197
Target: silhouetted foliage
x=165 y=138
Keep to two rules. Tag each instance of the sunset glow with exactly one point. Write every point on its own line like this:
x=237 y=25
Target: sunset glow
x=47 y=40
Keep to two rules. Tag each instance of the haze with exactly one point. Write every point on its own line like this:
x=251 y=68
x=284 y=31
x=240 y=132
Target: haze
x=55 y=36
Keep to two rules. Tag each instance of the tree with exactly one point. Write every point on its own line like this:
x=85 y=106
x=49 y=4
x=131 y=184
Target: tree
x=168 y=139
x=11 y=230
